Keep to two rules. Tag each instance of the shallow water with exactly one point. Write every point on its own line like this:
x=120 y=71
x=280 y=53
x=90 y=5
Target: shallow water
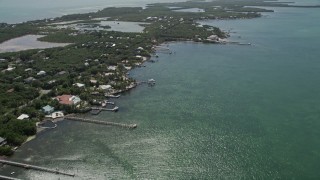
x=123 y=26
x=15 y=11
x=120 y=26
x=27 y=42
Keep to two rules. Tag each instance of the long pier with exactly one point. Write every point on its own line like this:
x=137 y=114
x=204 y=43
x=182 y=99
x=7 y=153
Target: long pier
x=29 y=166
x=8 y=178
x=130 y=126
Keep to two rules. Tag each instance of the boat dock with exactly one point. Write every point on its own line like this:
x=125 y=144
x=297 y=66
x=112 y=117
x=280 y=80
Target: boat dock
x=115 y=109
x=129 y=126
x=29 y=166
x=112 y=103
x=97 y=110
x=112 y=96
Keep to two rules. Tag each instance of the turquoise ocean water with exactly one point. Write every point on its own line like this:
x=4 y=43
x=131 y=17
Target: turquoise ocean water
x=216 y=112
x=16 y=11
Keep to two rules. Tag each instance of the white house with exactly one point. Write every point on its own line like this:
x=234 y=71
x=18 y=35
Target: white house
x=112 y=68
x=28 y=69
x=79 y=85
x=23 y=116
x=213 y=38
x=41 y=73
x=105 y=87
x=9 y=69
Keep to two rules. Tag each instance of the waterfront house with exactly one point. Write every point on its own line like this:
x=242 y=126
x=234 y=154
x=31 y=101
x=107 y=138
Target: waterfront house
x=105 y=87
x=138 y=56
x=2 y=141
x=48 y=109
x=68 y=99
x=213 y=38
x=23 y=116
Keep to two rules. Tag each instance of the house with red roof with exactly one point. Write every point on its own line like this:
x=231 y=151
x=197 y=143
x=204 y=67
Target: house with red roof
x=68 y=99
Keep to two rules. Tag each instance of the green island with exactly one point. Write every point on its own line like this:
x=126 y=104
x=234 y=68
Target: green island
x=71 y=79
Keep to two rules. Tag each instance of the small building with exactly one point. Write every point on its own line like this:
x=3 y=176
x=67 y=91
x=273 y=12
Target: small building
x=52 y=81
x=108 y=74
x=2 y=141
x=57 y=114
x=29 y=80
x=10 y=90
x=9 y=69
x=28 y=69
x=138 y=56
x=112 y=68
x=61 y=73
x=105 y=87
x=79 y=85
x=23 y=116
x=41 y=73
x=213 y=38
x=93 y=81
x=68 y=99
x=48 y=109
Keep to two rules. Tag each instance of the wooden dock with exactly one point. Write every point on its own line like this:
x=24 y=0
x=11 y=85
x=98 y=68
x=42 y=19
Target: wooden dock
x=97 y=110
x=115 y=109
x=109 y=102
x=29 y=166
x=112 y=96
x=129 y=126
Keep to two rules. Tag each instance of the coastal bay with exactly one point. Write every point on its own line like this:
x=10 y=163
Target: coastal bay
x=217 y=111
x=27 y=42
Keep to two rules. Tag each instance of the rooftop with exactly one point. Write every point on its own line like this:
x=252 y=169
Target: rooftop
x=48 y=108
x=68 y=99
x=23 y=116
x=2 y=140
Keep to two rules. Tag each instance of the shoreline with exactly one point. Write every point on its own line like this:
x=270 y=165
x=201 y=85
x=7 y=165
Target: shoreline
x=159 y=41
